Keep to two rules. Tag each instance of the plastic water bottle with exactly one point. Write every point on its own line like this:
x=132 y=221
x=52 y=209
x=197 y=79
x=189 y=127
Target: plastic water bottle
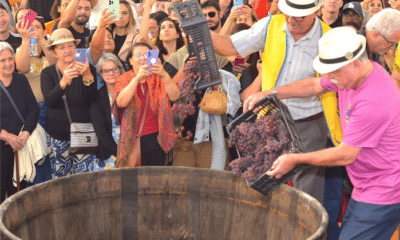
x=33 y=46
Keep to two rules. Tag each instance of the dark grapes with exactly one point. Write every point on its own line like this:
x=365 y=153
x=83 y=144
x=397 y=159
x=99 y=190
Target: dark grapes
x=186 y=87
x=260 y=144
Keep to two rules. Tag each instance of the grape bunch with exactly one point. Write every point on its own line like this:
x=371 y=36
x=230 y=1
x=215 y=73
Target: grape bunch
x=183 y=109
x=186 y=87
x=260 y=144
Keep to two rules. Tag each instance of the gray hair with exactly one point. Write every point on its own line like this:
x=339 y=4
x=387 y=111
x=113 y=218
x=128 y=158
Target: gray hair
x=386 y=22
x=364 y=56
x=107 y=57
x=6 y=45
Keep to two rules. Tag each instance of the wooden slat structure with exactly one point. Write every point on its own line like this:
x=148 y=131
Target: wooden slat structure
x=155 y=202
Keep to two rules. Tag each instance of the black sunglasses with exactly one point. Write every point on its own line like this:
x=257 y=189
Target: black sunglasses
x=211 y=14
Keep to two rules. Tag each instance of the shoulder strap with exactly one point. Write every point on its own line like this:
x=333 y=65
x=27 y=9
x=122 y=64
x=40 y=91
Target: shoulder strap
x=12 y=101
x=64 y=97
x=144 y=114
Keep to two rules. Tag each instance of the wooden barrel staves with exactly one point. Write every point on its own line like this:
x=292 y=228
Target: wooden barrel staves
x=160 y=203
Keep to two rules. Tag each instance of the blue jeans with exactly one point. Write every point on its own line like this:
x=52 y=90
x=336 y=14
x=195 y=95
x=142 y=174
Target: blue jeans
x=366 y=221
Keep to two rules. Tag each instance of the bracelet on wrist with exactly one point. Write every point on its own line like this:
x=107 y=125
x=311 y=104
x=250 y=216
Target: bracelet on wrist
x=88 y=81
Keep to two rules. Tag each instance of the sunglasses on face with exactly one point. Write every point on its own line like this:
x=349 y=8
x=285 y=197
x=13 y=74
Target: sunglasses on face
x=211 y=14
x=348 y=15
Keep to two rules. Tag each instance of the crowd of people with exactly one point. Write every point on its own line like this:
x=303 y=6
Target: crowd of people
x=346 y=119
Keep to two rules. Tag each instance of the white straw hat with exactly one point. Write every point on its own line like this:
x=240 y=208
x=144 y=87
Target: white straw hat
x=61 y=35
x=299 y=8
x=337 y=48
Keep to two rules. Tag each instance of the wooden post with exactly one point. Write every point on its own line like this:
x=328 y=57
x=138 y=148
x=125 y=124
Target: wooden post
x=17 y=171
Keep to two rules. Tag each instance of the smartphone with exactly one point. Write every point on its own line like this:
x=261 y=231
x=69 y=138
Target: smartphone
x=113 y=6
x=80 y=55
x=238 y=61
x=237 y=3
x=29 y=16
x=152 y=56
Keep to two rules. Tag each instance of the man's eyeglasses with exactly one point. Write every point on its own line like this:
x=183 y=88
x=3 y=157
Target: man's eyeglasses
x=211 y=14
x=111 y=70
x=86 y=8
x=392 y=44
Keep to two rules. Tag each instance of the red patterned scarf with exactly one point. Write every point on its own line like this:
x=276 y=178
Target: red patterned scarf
x=128 y=117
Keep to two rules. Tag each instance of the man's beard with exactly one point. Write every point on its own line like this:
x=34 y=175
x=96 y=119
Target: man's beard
x=354 y=24
x=3 y=31
x=80 y=22
x=213 y=28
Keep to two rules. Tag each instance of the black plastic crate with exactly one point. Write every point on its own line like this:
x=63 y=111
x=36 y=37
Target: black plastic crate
x=194 y=24
x=271 y=104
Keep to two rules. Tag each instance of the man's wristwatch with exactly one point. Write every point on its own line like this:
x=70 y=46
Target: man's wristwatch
x=274 y=91
x=89 y=81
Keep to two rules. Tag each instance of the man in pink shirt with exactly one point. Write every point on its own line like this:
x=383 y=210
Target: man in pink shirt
x=369 y=104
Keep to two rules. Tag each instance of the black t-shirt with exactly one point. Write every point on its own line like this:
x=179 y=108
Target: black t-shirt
x=14 y=40
x=77 y=35
x=337 y=23
x=42 y=7
x=55 y=27
x=81 y=36
x=119 y=41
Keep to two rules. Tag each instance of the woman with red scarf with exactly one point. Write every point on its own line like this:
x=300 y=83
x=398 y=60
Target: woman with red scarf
x=142 y=97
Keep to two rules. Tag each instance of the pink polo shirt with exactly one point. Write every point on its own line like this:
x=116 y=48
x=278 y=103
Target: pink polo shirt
x=370 y=117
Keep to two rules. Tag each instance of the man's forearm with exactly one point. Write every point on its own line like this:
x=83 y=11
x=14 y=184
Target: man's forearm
x=301 y=89
x=69 y=14
x=336 y=156
x=223 y=45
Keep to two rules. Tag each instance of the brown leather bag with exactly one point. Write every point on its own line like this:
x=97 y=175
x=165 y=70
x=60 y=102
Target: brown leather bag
x=214 y=102
x=135 y=157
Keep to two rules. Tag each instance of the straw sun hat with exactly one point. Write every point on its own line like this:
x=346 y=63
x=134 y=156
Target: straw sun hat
x=299 y=8
x=337 y=48
x=61 y=35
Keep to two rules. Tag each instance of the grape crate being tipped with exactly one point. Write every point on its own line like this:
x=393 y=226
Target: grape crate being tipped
x=260 y=143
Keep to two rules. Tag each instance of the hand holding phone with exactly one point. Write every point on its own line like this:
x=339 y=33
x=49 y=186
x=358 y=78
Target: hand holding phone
x=238 y=61
x=113 y=6
x=80 y=55
x=30 y=16
x=237 y=3
x=152 y=56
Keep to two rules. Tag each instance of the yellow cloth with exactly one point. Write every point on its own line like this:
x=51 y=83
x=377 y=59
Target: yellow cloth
x=273 y=59
x=396 y=65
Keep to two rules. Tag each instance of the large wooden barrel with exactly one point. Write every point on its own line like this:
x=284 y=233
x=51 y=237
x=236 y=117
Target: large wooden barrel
x=154 y=203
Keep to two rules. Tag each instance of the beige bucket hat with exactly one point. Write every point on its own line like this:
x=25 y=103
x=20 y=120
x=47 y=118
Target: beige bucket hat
x=61 y=35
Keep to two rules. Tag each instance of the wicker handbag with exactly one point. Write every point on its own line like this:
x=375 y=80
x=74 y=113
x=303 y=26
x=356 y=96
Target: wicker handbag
x=214 y=102
x=83 y=139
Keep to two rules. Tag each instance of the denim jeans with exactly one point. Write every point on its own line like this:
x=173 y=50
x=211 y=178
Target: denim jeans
x=366 y=221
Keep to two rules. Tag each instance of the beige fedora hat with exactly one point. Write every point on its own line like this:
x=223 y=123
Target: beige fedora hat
x=337 y=48
x=299 y=8
x=61 y=35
